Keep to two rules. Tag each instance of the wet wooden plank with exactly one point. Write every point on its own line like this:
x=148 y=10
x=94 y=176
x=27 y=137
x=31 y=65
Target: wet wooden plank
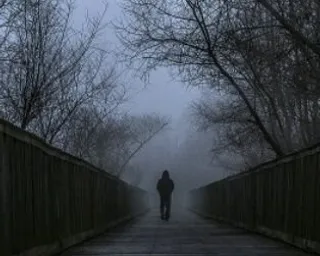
x=184 y=234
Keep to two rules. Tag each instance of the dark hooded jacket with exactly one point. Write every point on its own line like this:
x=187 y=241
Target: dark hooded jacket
x=165 y=185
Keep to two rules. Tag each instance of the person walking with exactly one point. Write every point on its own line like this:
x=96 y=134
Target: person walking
x=165 y=187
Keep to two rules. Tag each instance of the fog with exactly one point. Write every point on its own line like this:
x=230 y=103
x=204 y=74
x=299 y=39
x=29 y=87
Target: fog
x=108 y=110
x=180 y=149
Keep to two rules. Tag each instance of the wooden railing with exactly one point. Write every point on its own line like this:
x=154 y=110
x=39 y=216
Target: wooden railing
x=50 y=200
x=279 y=199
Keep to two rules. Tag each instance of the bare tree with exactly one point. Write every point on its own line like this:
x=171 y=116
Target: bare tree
x=92 y=134
x=47 y=55
x=239 y=48
x=279 y=73
x=190 y=36
x=110 y=141
x=299 y=18
x=8 y=13
x=143 y=129
x=233 y=132
x=93 y=86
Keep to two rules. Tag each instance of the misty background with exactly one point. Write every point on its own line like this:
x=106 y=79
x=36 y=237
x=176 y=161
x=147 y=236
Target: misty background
x=204 y=89
x=179 y=148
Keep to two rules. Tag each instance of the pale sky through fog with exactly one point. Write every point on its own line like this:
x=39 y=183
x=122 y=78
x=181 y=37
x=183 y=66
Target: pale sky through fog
x=162 y=95
x=165 y=97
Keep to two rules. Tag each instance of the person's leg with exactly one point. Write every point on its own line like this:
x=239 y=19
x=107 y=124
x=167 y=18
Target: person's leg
x=168 y=207
x=162 y=205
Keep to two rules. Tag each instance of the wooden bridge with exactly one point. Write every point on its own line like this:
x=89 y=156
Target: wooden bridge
x=185 y=234
x=52 y=203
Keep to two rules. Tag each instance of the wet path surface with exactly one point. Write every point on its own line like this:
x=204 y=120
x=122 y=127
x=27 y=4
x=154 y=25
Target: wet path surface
x=184 y=234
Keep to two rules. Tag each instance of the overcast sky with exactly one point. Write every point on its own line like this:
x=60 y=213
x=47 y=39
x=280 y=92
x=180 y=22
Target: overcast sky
x=162 y=95
x=165 y=96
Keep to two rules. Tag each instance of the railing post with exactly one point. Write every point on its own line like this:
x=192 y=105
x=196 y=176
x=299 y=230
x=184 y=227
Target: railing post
x=5 y=241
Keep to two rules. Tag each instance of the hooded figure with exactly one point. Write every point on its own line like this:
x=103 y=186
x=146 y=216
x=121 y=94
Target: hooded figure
x=165 y=186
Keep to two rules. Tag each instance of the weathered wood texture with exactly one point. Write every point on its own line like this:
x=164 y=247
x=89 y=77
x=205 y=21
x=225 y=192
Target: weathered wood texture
x=185 y=234
x=279 y=198
x=48 y=196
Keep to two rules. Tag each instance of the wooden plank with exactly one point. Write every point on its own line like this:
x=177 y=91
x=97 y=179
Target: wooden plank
x=286 y=199
x=317 y=201
x=184 y=234
x=47 y=196
x=5 y=203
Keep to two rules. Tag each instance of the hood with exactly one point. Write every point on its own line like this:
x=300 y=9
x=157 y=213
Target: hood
x=165 y=175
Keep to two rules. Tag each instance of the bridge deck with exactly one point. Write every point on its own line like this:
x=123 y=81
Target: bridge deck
x=184 y=234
